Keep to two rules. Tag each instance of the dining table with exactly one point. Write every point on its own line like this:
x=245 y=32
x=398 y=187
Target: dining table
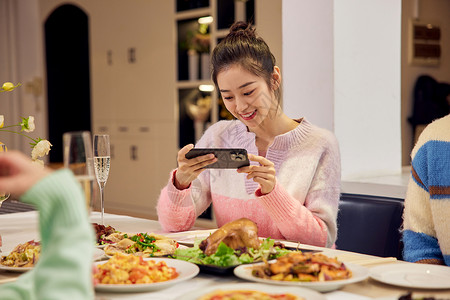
x=17 y=228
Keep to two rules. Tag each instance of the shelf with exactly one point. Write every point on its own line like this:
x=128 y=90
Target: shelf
x=192 y=14
x=191 y=84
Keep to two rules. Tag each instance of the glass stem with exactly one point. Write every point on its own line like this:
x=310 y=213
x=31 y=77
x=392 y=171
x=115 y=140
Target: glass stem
x=102 y=200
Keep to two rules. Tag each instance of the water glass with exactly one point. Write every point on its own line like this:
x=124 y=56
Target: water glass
x=77 y=147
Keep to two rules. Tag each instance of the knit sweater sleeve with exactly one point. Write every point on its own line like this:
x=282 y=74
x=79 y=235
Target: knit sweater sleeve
x=426 y=227
x=64 y=268
x=310 y=220
x=178 y=209
x=419 y=236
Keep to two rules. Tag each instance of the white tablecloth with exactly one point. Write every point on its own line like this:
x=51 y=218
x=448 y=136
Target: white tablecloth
x=18 y=228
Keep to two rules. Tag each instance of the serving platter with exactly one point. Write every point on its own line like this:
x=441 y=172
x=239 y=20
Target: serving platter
x=360 y=273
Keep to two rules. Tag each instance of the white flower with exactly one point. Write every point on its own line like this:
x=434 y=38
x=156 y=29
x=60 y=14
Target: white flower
x=28 y=124
x=2 y=121
x=42 y=148
x=38 y=162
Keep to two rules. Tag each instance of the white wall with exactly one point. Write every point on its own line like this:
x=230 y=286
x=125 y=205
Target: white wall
x=361 y=100
x=308 y=60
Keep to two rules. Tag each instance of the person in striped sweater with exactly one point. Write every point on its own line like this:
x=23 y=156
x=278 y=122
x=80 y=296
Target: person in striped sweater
x=291 y=189
x=426 y=229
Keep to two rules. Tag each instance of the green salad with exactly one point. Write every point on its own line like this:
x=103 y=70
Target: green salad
x=227 y=257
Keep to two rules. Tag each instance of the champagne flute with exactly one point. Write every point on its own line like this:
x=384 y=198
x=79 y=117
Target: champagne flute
x=77 y=147
x=102 y=157
x=3 y=195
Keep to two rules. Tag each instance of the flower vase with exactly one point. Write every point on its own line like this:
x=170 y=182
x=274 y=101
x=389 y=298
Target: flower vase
x=205 y=70
x=193 y=62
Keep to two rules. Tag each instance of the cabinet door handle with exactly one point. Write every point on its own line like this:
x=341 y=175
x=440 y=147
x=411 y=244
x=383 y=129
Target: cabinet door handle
x=133 y=152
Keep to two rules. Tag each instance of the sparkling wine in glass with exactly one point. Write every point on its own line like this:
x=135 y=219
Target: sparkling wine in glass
x=102 y=157
x=3 y=195
x=77 y=147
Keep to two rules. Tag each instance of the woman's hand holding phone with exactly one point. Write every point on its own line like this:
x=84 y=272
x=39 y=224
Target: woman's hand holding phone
x=189 y=169
x=264 y=173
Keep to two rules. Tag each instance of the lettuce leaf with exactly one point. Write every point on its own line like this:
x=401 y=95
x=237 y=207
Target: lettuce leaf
x=227 y=257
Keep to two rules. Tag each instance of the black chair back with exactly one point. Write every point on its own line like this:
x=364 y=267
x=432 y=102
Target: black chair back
x=370 y=225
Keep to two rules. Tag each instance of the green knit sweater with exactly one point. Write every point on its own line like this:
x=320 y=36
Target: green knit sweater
x=64 y=269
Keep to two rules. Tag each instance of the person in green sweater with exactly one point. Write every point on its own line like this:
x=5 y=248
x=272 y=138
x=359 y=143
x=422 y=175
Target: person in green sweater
x=64 y=270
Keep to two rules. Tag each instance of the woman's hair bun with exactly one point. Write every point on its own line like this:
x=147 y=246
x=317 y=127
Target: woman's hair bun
x=242 y=28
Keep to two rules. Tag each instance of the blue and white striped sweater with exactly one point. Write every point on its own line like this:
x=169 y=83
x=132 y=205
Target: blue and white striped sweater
x=431 y=169
x=426 y=232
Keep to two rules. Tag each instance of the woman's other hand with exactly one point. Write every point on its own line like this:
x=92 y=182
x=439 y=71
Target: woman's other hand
x=264 y=173
x=189 y=169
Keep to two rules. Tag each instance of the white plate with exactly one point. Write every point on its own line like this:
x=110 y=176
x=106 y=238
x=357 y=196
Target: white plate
x=423 y=276
x=98 y=254
x=186 y=270
x=359 y=273
x=179 y=246
x=297 y=291
x=13 y=269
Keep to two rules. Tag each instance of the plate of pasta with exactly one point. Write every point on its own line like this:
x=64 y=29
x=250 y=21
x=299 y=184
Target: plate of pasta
x=129 y=273
x=309 y=270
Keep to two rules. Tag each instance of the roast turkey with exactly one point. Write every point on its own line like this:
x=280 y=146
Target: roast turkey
x=235 y=234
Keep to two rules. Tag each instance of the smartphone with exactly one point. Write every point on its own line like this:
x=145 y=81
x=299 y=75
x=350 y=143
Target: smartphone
x=227 y=158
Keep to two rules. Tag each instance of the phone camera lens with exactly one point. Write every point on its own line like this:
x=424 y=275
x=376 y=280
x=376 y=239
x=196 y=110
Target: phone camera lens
x=237 y=156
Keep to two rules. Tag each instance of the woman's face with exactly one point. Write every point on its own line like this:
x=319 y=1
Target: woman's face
x=247 y=96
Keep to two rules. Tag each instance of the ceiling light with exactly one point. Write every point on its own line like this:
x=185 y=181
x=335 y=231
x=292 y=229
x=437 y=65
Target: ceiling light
x=205 y=20
x=206 y=87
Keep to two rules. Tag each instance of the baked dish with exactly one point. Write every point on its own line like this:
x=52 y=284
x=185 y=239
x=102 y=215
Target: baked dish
x=304 y=267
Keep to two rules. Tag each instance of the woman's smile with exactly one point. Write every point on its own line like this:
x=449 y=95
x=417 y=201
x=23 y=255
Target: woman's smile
x=248 y=116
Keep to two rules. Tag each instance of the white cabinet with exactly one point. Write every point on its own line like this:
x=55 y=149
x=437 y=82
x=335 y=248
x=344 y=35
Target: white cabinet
x=142 y=157
x=133 y=99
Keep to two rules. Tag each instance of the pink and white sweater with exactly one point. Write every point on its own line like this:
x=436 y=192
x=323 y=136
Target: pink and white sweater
x=303 y=205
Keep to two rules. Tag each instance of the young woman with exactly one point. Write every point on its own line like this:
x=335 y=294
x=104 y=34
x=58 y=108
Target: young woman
x=291 y=189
